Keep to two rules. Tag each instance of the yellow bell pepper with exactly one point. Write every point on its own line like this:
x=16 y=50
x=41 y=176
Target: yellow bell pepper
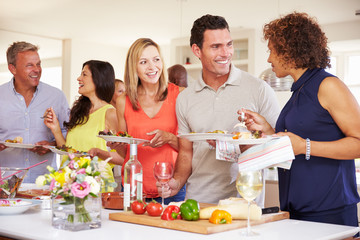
x=220 y=217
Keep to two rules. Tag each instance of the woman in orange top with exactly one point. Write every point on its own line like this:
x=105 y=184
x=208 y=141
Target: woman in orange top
x=148 y=112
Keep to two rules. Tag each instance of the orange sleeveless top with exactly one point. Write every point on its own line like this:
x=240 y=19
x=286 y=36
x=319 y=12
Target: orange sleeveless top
x=138 y=124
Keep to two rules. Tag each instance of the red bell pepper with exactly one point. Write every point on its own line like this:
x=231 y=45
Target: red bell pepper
x=170 y=213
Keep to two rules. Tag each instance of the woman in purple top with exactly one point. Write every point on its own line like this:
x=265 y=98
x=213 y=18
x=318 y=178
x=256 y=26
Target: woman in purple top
x=322 y=119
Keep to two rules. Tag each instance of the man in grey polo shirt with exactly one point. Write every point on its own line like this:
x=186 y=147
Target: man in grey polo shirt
x=211 y=104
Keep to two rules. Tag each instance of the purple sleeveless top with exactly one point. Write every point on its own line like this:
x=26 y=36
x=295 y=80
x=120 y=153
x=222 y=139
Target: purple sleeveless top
x=320 y=184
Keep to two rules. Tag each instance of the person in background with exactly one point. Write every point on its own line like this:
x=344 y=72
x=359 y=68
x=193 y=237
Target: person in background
x=211 y=103
x=147 y=111
x=119 y=90
x=91 y=112
x=23 y=101
x=178 y=75
x=322 y=119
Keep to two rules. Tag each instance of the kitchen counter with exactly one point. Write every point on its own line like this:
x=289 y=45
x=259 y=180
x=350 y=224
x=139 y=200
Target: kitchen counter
x=36 y=224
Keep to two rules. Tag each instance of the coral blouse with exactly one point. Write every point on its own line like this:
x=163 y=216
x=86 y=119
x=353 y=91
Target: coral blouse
x=139 y=123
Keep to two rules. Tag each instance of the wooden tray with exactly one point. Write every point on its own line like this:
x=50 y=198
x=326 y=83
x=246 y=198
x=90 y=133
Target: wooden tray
x=200 y=226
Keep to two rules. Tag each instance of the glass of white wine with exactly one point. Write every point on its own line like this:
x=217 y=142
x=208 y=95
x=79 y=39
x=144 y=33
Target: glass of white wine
x=249 y=184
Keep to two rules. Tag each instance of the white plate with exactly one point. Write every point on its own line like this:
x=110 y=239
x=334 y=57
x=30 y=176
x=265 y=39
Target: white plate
x=18 y=145
x=206 y=136
x=129 y=140
x=250 y=141
x=17 y=206
x=61 y=152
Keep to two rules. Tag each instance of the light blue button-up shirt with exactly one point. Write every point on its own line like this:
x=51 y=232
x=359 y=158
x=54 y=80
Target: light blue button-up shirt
x=16 y=119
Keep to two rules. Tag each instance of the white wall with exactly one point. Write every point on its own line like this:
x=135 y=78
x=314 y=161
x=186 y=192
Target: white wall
x=77 y=52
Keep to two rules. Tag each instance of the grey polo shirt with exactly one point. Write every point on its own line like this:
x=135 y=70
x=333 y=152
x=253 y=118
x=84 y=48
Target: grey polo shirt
x=201 y=109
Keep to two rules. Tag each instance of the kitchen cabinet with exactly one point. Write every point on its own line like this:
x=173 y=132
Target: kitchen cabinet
x=243 y=58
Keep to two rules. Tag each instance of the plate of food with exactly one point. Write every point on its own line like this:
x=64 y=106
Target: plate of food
x=16 y=205
x=214 y=135
x=17 y=143
x=123 y=137
x=249 y=138
x=65 y=150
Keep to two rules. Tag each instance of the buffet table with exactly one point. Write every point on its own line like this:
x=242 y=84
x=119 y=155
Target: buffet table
x=36 y=224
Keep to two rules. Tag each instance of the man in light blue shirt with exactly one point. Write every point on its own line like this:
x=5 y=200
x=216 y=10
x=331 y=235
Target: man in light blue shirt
x=23 y=101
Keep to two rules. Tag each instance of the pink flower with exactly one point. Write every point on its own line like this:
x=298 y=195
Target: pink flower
x=81 y=171
x=71 y=164
x=80 y=190
x=52 y=184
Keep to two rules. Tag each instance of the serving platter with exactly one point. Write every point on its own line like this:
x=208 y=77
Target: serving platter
x=61 y=152
x=110 y=138
x=18 y=145
x=251 y=141
x=200 y=226
x=16 y=205
x=193 y=137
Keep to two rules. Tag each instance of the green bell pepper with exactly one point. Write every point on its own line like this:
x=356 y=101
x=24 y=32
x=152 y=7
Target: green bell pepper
x=190 y=210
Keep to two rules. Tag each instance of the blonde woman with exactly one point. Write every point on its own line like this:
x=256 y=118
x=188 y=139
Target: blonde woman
x=147 y=111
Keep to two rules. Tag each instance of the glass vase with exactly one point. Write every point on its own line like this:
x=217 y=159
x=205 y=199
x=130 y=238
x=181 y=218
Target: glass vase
x=76 y=214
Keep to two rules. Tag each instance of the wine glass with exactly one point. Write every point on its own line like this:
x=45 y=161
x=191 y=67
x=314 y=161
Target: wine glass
x=249 y=184
x=163 y=172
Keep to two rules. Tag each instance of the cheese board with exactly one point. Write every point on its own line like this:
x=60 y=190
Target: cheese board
x=200 y=226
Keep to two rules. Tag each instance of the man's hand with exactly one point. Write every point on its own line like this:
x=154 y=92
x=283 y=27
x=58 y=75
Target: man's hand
x=2 y=147
x=171 y=188
x=39 y=149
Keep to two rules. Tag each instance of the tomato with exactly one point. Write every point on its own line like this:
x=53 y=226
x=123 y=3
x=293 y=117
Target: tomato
x=138 y=207
x=154 y=209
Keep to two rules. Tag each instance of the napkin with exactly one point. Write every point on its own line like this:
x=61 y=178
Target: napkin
x=277 y=152
x=227 y=151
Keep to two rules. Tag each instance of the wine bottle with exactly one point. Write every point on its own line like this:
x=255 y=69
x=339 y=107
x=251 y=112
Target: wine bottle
x=133 y=179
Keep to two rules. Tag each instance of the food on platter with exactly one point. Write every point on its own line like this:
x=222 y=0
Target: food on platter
x=31 y=193
x=69 y=149
x=238 y=208
x=218 y=131
x=119 y=134
x=176 y=203
x=154 y=209
x=220 y=217
x=15 y=140
x=247 y=135
x=9 y=186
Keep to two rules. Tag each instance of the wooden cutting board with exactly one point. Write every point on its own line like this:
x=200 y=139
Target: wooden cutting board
x=200 y=226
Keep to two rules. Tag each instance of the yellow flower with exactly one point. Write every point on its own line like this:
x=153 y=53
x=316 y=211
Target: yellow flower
x=83 y=160
x=60 y=177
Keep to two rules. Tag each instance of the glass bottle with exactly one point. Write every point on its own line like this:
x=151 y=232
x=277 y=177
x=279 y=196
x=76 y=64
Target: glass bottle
x=133 y=179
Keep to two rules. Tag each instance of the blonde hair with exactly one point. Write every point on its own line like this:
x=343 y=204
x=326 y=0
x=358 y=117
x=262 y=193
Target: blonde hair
x=131 y=78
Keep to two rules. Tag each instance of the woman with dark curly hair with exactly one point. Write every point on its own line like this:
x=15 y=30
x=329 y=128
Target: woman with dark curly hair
x=322 y=119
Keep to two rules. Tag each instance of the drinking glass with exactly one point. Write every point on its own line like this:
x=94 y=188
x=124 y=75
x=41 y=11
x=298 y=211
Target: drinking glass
x=163 y=172
x=249 y=184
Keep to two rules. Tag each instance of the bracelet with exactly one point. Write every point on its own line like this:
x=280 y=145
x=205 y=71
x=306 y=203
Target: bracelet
x=307 y=156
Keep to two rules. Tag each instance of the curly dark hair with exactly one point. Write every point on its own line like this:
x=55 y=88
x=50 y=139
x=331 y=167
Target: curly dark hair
x=298 y=39
x=204 y=23
x=103 y=76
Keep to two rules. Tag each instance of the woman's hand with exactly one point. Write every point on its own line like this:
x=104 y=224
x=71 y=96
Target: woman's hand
x=256 y=122
x=51 y=121
x=298 y=143
x=161 y=138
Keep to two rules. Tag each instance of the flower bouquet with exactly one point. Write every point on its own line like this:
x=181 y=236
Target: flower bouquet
x=75 y=189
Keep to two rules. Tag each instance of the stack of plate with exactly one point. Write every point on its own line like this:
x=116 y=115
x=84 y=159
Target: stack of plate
x=278 y=84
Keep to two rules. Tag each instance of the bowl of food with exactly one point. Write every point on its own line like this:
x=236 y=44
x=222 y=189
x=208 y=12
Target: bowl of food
x=114 y=200
x=10 y=181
